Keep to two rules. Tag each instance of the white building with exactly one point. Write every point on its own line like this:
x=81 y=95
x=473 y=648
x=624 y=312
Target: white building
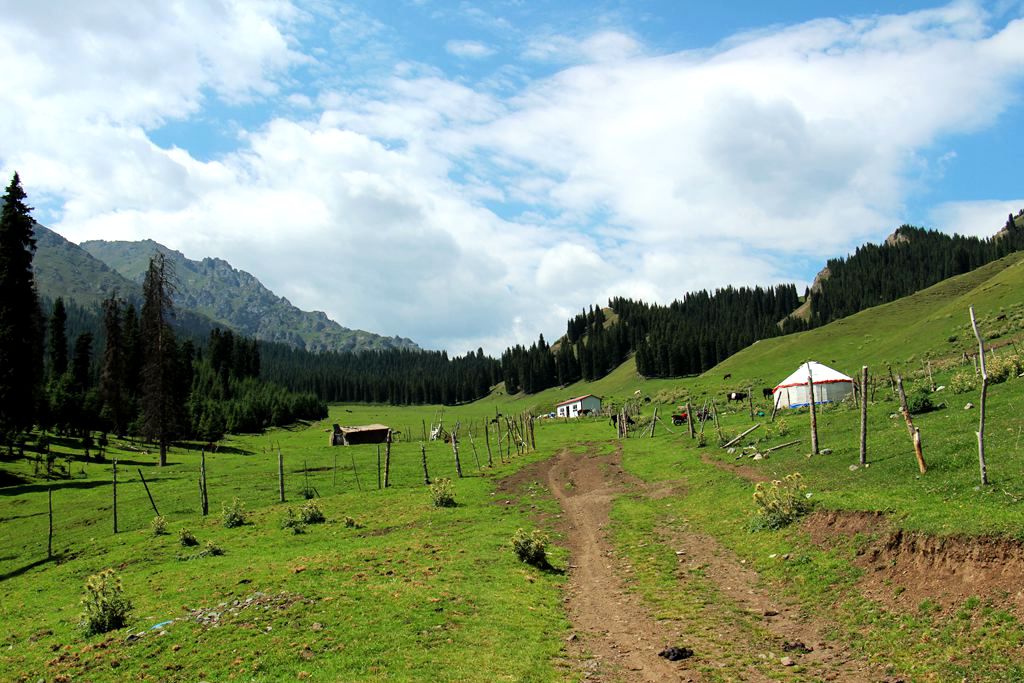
x=581 y=404
x=829 y=385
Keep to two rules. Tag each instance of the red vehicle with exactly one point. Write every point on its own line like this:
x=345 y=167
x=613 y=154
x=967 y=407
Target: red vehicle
x=681 y=417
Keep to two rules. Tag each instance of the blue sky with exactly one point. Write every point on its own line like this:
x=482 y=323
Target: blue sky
x=471 y=173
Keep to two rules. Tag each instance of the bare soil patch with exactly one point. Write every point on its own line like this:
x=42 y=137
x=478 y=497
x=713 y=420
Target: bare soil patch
x=902 y=569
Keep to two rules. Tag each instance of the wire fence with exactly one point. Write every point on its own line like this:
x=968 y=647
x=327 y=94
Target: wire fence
x=89 y=505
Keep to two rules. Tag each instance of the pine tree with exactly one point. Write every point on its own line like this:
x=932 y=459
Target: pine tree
x=112 y=375
x=58 y=341
x=21 y=338
x=159 y=409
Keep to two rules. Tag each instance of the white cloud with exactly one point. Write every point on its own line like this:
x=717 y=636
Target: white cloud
x=469 y=49
x=443 y=211
x=977 y=218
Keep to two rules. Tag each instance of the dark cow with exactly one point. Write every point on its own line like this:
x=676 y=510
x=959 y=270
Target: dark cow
x=767 y=391
x=736 y=396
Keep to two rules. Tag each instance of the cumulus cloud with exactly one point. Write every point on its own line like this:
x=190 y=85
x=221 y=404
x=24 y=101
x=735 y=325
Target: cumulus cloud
x=442 y=210
x=470 y=49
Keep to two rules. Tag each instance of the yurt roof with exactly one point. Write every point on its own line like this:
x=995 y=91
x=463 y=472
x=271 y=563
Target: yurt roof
x=821 y=374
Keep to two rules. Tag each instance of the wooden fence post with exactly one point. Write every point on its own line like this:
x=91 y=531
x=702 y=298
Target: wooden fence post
x=423 y=457
x=354 y=473
x=148 y=493
x=115 y=496
x=915 y=433
x=204 y=499
x=455 y=449
x=814 y=415
x=378 y=467
x=472 y=442
x=49 y=537
x=750 y=401
x=280 y=477
x=487 y=438
x=689 y=418
x=864 y=415
x=981 y=403
x=387 y=461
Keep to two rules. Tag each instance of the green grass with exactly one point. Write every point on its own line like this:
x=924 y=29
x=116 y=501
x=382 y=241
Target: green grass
x=413 y=591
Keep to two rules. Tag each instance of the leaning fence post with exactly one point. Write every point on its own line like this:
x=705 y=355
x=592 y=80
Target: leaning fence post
x=387 y=461
x=148 y=493
x=354 y=473
x=814 y=414
x=423 y=457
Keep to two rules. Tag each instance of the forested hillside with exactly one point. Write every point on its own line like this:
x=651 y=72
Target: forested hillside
x=910 y=260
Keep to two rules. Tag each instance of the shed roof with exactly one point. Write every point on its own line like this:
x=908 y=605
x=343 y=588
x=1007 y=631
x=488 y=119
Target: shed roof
x=578 y=398
x=364 y=428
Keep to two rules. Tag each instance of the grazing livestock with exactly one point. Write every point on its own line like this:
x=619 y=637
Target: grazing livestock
x=736 y=396
x=767 y=391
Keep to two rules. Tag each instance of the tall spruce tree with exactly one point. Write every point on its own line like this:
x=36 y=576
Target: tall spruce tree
x=113 y=376
x=21 y=338
x=58 y=339
x=159 y=407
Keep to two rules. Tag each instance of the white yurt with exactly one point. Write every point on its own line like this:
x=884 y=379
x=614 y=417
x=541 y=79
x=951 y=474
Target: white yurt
x=829 y=385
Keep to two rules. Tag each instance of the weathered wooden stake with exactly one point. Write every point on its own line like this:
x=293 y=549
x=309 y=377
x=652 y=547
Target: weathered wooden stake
x=354 y=473
x=864 y=415
x=654 y=421
x=49 y=538
x=750 y=401
x=689 y=419
x=814 y=413
x=305 y=479
x=931 y=380
x=981 y=403
x=204 y=499
x=387 y=461
x=423 y=457
x=718 y=425
x=115 y=496
x=487 y=438
x=157 y=512
x=703 y=413
x=334 y=476
x=533 y=432
x=455 y=450
x=915 y=433
x=472 y=442
x=378 y=467
x=280 y=476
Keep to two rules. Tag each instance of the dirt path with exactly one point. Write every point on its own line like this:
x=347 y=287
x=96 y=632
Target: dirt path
x=617 y=639
x=611 y=624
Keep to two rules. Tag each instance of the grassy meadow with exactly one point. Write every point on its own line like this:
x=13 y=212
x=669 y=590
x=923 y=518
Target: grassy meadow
x=393 y=588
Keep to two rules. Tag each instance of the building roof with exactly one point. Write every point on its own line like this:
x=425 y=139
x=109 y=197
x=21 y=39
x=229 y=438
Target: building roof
x=578 y=398
x=364 y=428
x=821 y=374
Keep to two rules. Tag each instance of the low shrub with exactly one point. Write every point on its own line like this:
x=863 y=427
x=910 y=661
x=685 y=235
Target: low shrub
x=187 y=538
x=780 y=503
x=1002 y=368
x=292 y=523
x=442 y=493
x=531 y=548
x=351 y=523
x=963 y=381
x=158 y=525
x=209 y=550
x=919 y=400
x=312 y=513
x=104 y=603
x=233 y=514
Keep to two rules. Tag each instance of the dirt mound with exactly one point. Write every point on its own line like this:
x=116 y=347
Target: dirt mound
x=903 y=569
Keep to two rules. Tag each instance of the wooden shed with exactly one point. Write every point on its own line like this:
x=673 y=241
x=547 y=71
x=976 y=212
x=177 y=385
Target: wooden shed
x=351 y=436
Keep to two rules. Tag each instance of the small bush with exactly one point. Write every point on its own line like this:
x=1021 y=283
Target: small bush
x=209 y=550
x=963 y=381
x=234 y=514
x=442 y=493
x=351 y=523
x=292 y=523
x=105 y=605
x=187 y=538
x=531 y=548
x=780 y=503
x=158 y=525
x=1002 y=368
x=781 y=427
x=312 y=513
x=919 y=400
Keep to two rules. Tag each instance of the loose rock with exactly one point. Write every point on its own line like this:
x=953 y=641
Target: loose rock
x=674 y=654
